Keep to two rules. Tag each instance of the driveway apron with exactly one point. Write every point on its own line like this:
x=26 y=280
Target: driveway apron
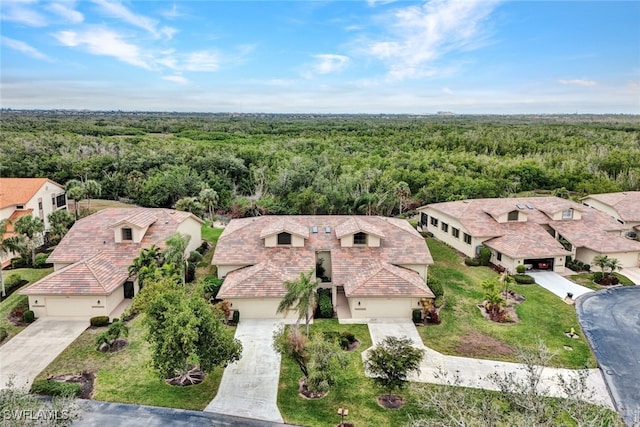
x=249 y=387
x=632 y=273
x=33 y=349
x=553 y=282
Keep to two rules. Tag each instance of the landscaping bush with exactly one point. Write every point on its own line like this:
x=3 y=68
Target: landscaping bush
x=520 y=269
x=212 y=286
x=18 y=262
x=416 y=315
x=438 y=302
x=472 y=262
x=436 y=287
x=586 y=267
x=98 y=321
x=28 y=316
x=13 y=281
x=346 y=339
x=523 y=279
x=484 y=256
x=195 y=257
x=325 y=307
x=3 y=334
x=40 y=261
x=597 y=276
x=426 y=234
x=203 y=248
x=236 y=316
x=56 y=388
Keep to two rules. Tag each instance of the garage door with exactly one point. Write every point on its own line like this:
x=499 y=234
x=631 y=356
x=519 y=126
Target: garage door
x=255 y=308
x=382 y=307
x=62 y=306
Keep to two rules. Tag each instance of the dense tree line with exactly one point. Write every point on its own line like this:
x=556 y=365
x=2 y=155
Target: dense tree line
x=322 y=164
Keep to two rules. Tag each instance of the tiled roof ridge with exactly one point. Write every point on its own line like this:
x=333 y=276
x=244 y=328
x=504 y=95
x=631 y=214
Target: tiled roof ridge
x=32 y=191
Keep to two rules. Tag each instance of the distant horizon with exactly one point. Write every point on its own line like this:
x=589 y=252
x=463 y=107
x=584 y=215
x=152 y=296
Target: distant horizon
x=339 y=57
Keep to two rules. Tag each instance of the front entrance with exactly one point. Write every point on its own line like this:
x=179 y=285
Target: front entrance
x=128 y=290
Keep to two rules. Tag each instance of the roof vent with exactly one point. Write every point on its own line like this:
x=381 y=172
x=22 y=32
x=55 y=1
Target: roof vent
x=529 y=206
x=314 y=229
x=519 y=206
x=327 y=230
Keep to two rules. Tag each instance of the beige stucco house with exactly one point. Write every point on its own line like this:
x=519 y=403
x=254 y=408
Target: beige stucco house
x=375 y=266
x=538 y=232
x=29 y=196
x=90 y=275
x=624 y=207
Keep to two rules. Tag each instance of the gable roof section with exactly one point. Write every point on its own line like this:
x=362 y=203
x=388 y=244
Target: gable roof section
x=594 y=238
x=524 y=240
x=18 y=191
x=386 y=280
x=284 y=225
x=263 y=280
x=626 y=204
x=141 y=219
x=355 y=225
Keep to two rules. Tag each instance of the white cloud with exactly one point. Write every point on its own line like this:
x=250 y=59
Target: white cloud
x=327 y=63
x=100 y=41
x=201 y=61
x=176 y=79
x=447 y=91
x=69 y=13
x=20 y=11
x=171 y=13
x=578 y=82
x=24 y=48
x=119 y=11
x=419 y=35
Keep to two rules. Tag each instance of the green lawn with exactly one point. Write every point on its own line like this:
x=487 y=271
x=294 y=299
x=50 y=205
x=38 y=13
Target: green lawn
x=211 y=234
x=14 y=300
x=586 y=279
x=126 y=377
x=465 y=332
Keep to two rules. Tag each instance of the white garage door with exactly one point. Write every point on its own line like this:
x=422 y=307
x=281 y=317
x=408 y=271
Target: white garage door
x=63 y=306
x=255 y=308
x=382 y=307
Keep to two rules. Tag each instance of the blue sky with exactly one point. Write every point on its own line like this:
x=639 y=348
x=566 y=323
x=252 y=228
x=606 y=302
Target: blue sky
x=486 y=56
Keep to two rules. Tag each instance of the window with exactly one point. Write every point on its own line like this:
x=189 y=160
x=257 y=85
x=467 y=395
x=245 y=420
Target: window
x=467 y=239
x=360 y=239
x=39 y=204
x=499 y=256
x=424 y=218
x=434 y=221
x=455 y=232
x=127 y=234
x=445 y=227
x=567 y=214
x=513 y=216
x=284 y=239
x=19 y=207
x=61 y=200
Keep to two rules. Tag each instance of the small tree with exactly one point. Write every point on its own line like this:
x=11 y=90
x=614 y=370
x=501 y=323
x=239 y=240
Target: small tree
x=76 y=192
x=292 y=344
x=31 y=228
x=495 y=303
x=175 y=252
x=209 y=198
x=391 y=361
x=189 y=204
x=7 y=246
x=300 y=296
x=60 y=221
x=92 y=189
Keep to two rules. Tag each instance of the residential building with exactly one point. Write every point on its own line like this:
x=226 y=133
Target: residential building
x=90 y=275
x=374 y=266
x=624 y=207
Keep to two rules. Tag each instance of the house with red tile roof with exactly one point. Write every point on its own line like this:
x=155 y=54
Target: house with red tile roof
x=624 y=207
x=374 y=266
x=29 y=196
x=90 y=275
x=538 y=232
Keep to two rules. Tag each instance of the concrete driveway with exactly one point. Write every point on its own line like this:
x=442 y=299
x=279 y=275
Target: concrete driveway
x=33 y=349
x=557 y=284
x=611 y=321
x=633 y=273
x=249 y=387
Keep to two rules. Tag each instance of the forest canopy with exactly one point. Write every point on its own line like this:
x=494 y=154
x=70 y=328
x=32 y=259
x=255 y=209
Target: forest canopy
x=324 y=164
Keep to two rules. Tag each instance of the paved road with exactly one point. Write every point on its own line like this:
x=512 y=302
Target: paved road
x=610 y=319
x=33 y=349
x=557 y=284
x=474 y=372
x=249 y=387
x=633 y=273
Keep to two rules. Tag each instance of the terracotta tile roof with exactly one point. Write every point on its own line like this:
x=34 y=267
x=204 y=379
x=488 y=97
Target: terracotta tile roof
x=526 y=240
x=285 y=225
x=377 y=279
x=16 y=215
x=626 y=204
x=594 y=238
x=18 y=191
x=240 y=244
x=140 y=219
x=353 y=225
x=98 y=264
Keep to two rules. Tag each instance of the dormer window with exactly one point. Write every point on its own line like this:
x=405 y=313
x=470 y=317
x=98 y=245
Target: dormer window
x=567 y=214
x=127 y=234
x=284 y=239
x=360 y=239
x=513 y=216
x=20 y=207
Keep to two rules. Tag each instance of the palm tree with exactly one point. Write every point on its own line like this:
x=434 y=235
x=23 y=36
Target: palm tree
x=613 y=265
x=92 y=188
x=604 y=262
x=300 y=296
x=7 y=246
x=209 y=198
x=76 y=193
x=175 y=252
x=145 y=264
x=31 y=228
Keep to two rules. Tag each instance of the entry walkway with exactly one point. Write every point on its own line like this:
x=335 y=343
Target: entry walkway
x=249 y=387
x=437 y=368
x=33 y=349
x=633 y=273
x=553 y=282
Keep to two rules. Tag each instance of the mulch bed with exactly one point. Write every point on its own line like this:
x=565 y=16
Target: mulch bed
x=305 y=393
x=352 y=346
x=392 y=401
x=478 y=345
x=85 y=380
x=513 y=300
x=118 y=345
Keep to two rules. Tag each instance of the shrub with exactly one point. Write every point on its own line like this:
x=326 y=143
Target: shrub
x=416 y=315
x=325 y=307
x=56 y=388
x=438 y=302
x=98 y=321
x=586 y=267
x=436 y=287
x=212 y=286
x=3 y=334
x=346 y=339
x=114 y=320
x=520 y=269
x=523 y=279
x=28 y=316
x=40 y=261
x=195 y=257
x=236 y=316
x=472 y=262
x=203 y=248
x=484 y=256
x=426 y=234
x=14 y=281
x=597 y=276
x=18 y=262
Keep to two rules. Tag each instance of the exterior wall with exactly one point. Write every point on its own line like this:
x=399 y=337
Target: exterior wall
x=272 y=241
x=44 y=194
x=194 y=229
x=259 y=308
x=69 y=306
x=627 y=259
x=60 y=265
x=372 y=241
x=447 y=237
x=223 y=270
x=420 y=269
x=115 y=298
x=557 y=216
x=512 y=263
x=383 y=307
x=137 y=233
x=6 y=212
x=602 y=207
x=522 y=216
